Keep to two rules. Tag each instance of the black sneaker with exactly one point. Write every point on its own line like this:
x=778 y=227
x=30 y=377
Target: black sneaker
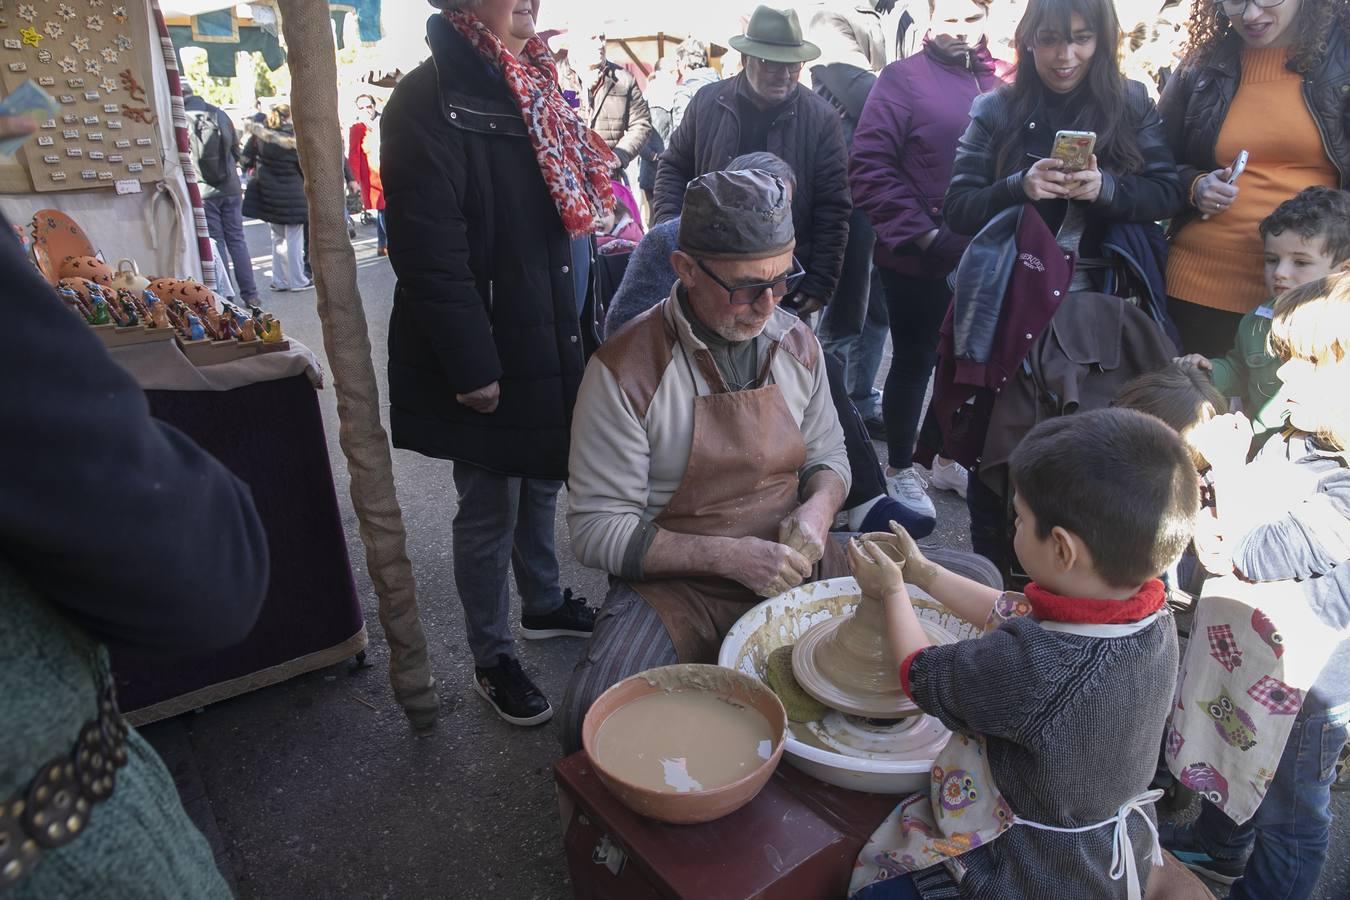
x=876 y=427
x=1181 y=842
x=512 y=693
x=573 y=619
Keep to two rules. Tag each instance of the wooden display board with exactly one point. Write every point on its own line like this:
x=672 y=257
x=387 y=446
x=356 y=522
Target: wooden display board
x=93 y=57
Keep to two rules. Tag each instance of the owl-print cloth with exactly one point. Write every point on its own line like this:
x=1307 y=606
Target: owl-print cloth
x=964 y=808
x=1254 y=651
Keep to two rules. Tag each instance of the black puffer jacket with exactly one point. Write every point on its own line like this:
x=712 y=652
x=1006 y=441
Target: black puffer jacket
x=1197 y=99
x=483 y=262
x=276 y=192
x=806 y=135
x=977 y=193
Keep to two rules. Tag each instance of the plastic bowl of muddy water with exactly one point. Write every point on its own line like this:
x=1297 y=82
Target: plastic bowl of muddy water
x=685 y=744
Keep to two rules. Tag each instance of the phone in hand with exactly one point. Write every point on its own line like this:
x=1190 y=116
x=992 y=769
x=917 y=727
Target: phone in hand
x=1074 y=149
x=30 y=101
x=1239 y=166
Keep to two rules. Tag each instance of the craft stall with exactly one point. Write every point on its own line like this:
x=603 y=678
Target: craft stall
x=106 y=202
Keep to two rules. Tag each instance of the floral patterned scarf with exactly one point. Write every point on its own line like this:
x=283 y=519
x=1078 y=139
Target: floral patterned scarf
x=574 y=160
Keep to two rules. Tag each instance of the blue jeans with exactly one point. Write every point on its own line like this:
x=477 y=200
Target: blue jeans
x=1292 y=827
x=381 y=236
x=225 y=223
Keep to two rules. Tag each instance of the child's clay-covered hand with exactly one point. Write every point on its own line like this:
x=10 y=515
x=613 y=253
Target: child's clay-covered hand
x=1224 y=441
x=877 y=574
x=918 y=570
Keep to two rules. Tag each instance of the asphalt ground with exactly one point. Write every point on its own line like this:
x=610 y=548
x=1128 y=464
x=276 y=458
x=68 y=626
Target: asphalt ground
x=317 y=788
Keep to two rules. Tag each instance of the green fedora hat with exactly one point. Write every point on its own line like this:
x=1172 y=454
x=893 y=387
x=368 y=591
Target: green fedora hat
x=775 y=35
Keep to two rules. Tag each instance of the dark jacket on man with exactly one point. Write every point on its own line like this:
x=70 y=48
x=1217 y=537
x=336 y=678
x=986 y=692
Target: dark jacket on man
x=619 y=113
x=1196 y=102
x=806 y=134
x=484 y=288
x=195 y=103
x=276 y=192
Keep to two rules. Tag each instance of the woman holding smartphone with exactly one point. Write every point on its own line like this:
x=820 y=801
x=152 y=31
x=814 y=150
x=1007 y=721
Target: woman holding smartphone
x=1068 y=79
x=1267 y=77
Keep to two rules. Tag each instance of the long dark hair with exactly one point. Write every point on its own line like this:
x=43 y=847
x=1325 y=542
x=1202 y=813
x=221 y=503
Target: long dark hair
x=1102 y=111
x=1317 y=20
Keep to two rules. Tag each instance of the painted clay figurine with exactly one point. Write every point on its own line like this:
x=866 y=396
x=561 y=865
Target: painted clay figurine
x=195 y=330
x=101 y=315
x=129 y=317
x=247 y=331
x=271 y=329
x=73 y=301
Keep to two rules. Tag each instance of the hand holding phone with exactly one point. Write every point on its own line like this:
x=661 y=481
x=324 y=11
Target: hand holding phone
x=1215 y=192
x=1074 y=149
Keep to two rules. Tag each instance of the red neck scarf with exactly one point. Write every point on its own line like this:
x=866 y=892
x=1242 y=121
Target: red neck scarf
x=1087 y=611
x=575 y=162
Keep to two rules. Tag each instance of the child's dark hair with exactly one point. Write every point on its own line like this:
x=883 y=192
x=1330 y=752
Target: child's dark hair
x=1120 y=480
x=1181 y=396
x=1314 y=212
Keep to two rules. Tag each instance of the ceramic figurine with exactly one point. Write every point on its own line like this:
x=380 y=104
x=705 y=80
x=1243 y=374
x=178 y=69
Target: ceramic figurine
x=72 y=300
x=129 y=316
x=247 y=331
x=101 y=315
x=240 y=320
x=195 y=330
x=271 y=333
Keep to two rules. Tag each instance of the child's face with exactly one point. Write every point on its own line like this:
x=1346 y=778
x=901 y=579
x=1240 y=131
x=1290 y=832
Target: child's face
x=1318 y=393
x=1036 y=554
x=1292 y=260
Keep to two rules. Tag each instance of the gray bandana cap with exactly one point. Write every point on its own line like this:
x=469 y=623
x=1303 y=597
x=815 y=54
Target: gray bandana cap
x=736 y=215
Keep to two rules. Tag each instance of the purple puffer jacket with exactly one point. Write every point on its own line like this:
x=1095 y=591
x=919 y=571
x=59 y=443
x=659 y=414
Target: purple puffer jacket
x=903 y=152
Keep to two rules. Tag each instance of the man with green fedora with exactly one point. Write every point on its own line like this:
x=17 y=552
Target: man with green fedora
x=764 y=108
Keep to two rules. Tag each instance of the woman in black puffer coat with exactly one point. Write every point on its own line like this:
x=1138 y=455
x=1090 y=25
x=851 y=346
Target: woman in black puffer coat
x=276 y=195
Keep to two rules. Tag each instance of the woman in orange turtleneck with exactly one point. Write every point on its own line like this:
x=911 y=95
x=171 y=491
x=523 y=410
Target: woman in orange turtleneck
x=1271 y=77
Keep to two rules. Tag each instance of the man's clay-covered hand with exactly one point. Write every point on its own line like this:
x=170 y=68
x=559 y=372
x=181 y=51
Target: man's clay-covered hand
x=768 y=568
x=802 y=532
x=918 y=570
x=877 y=574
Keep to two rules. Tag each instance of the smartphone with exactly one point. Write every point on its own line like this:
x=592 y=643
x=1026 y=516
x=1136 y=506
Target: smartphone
x=1074 y=148
x=1239 y=166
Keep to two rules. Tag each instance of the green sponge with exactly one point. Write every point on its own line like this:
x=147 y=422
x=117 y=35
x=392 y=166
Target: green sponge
x=800 y=706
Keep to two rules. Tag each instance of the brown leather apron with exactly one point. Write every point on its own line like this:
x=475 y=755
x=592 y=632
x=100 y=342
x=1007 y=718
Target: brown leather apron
x=742 y=481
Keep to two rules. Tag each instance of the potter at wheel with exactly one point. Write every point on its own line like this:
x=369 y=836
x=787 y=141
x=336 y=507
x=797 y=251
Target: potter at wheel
x=845 y=663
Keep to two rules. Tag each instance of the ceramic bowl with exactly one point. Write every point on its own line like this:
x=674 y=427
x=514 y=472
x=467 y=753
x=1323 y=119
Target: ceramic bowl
x=694 y=806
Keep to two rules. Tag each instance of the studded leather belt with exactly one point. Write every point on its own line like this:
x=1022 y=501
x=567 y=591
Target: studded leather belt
x=54 y=809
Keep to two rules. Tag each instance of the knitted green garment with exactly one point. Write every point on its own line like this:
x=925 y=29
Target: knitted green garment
x=140 y=843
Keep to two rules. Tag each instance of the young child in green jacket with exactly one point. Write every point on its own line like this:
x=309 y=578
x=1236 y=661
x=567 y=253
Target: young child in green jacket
x=1306 y=238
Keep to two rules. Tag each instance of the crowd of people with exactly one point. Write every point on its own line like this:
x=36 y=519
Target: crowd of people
x=711 y=408
x=1134 y=361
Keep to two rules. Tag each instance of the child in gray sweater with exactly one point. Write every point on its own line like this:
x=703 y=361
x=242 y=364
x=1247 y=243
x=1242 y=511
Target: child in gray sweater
x=1066 y=693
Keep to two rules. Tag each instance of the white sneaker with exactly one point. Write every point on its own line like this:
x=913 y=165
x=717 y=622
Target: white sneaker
x=949 y=476
x=908 y=488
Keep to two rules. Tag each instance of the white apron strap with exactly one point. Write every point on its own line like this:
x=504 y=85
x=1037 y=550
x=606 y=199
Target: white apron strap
x=1122 y=850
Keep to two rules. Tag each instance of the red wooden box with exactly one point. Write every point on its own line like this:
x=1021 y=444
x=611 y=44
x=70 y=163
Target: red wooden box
x=797 y=839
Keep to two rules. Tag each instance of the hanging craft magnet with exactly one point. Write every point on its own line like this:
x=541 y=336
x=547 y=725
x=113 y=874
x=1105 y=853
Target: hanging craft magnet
x=89 y=175
x=51 y=159
x=70 y=134
x=75 y=82
x=13 y=44
x=58 y=176
x=74 y=152
x=96 y=154
x=18 y=67
x=46 y=140
x=115 y=124
x=94 y=136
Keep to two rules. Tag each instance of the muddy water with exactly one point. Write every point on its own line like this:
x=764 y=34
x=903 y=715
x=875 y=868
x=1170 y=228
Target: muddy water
x=683 y=741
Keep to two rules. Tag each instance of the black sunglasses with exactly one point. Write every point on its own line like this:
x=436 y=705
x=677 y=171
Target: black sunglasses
x=746 y=294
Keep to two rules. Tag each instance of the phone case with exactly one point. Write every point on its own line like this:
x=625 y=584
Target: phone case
x=1074 y=148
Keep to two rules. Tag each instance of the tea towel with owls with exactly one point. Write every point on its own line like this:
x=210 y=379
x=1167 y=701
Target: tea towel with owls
x=964 y=808
x=1253 y=652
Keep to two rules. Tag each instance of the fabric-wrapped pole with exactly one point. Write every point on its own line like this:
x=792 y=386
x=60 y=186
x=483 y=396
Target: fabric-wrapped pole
x=314 y=103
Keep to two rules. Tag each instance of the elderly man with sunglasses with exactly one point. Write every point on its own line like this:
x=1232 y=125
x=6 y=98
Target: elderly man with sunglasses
x=707 y=461
x=765 y=109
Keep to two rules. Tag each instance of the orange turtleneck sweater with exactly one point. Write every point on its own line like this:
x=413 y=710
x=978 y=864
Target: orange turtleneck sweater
x=1219 y=262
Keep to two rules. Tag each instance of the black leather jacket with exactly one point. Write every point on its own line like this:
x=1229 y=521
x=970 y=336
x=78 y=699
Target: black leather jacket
x=977 y=194
x=1197 y=99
